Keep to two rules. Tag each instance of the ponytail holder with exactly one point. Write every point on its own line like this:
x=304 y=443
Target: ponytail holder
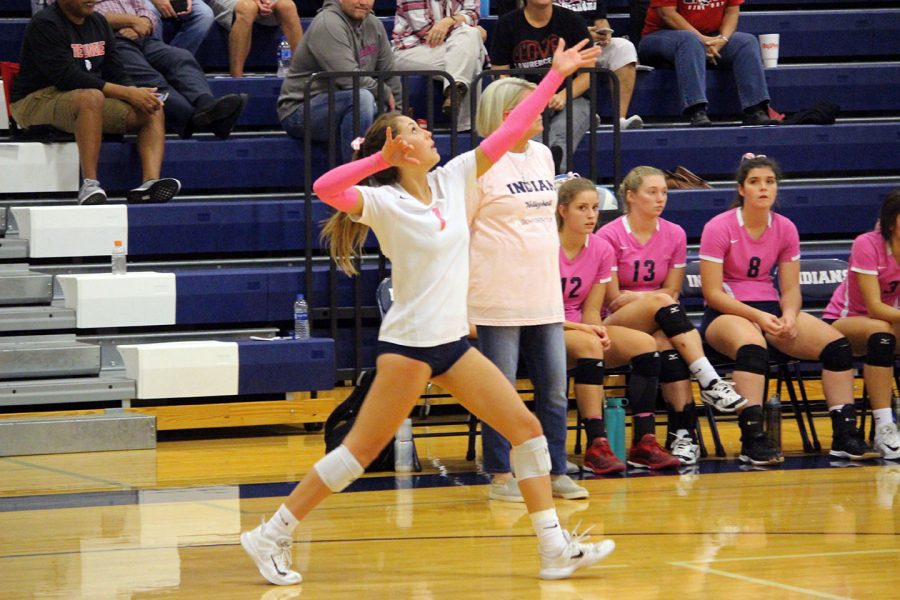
x=750 y=156
x=357 y=143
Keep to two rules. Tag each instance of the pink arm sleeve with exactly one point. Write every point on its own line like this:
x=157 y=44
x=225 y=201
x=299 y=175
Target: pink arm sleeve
x=516 y=124
x=335 y=187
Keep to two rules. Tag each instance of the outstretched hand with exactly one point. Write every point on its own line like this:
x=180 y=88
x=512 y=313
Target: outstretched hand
x=396 y=151
x=568 y=61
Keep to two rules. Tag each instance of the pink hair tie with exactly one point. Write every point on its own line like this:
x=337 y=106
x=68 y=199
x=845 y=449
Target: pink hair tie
x=750 y=156
x=357 y=143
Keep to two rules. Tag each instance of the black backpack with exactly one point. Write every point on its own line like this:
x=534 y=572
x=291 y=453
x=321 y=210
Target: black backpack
x=344 y=415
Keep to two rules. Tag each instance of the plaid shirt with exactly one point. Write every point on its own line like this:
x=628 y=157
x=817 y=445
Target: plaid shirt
x=415 y=18
x=127 y=7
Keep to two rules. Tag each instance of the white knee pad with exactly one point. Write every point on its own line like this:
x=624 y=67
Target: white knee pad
x=531 y=459
x=338 y=469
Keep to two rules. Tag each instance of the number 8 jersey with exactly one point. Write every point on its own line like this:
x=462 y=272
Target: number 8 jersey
x=643 y=267
x=747 y=263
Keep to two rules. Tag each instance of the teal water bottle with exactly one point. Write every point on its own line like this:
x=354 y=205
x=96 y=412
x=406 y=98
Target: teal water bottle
x=614 y=418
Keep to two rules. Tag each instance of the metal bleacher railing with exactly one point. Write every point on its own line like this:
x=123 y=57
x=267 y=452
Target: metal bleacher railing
x=363 y=308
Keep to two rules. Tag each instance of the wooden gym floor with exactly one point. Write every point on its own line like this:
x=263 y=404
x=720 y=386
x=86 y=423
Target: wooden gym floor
x=164 y=523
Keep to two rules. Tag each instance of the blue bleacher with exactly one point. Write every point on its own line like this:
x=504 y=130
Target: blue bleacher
x=272 y=367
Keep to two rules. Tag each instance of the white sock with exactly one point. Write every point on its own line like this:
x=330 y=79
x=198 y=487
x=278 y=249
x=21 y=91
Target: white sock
x=549 y=532
x=703 y=371
x=883 y=416
x=682 y=433
x=282 y=523
x=835 y=407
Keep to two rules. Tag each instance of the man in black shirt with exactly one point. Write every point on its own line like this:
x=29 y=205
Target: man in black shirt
x=71 y=78
x=526 y=39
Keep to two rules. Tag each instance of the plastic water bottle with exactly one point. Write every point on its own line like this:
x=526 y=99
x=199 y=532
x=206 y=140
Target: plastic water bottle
x=119 y=264
x=485 y=8
x=301 y=318
x=614 y=418
x=895 y=402
x=403 y=448
x=283 y=57
x=772 y=415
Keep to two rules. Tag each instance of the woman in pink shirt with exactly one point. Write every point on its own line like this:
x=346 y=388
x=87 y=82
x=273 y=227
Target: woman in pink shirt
x=739 y=250
x=650 y=260
x=585 y=266
x=865 y=309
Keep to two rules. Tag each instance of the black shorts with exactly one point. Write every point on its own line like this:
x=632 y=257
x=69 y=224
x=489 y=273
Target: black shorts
x=768 y=306
x=439 y=358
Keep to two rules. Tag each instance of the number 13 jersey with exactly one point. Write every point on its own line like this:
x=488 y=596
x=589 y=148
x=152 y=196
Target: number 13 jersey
x=643 y=267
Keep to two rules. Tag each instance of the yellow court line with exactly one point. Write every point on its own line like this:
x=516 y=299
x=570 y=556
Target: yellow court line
x=763 y=582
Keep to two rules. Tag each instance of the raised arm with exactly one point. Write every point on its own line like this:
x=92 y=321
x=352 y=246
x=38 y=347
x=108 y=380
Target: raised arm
x=565 y=62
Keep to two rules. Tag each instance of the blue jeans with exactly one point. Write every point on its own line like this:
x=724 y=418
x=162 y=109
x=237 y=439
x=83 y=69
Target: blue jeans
x=192 y=27
x=687 y=53
x=544 y=349
x=320 y=128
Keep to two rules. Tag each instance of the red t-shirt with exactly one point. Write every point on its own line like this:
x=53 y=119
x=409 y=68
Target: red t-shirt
x=704 y=15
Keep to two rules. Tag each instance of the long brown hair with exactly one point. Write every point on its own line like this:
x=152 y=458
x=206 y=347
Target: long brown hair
x=890 y=208
x=344 y=236
x=567 y=193
x=747 y=165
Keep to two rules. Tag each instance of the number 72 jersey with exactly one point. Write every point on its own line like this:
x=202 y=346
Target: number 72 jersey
x=642 y=267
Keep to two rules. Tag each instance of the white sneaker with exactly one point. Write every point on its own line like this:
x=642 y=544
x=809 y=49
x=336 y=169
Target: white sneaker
x=721 y=396
x=632 y=122
x=564 y=487
x=685 y=450
x=575 y=555
x=887 y=441
x=273 y=559
x=508 y=491
x=572 y=468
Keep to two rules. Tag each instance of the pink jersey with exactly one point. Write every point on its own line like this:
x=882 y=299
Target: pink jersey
x=643 y=267
x=747 y=263
x=869 y=255
x=593 y=265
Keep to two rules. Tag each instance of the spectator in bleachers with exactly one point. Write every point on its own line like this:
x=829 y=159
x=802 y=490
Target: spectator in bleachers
x=619 y=54
x=693 y=35
x=190 y=105
x=514 y=297
x=71 y=77
x=525 y=39
x=650 y=259
x=585 y=264
x=238 y=16
x=418 y=214
x=864 y=308
x=445 y=36
x=739 y=250
x=193 y=21
x=344 y=36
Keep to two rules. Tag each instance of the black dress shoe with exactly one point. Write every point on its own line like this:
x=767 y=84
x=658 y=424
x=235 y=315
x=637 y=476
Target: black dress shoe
x=758 y=117
x=700 y=119
x=220 y=116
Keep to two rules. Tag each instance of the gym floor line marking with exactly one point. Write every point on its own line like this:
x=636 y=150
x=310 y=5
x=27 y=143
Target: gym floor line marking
x=758 y=581
x=785 y=556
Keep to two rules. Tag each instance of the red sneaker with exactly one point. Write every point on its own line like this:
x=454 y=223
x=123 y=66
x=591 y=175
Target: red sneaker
x=648 y=454
x=600 y=458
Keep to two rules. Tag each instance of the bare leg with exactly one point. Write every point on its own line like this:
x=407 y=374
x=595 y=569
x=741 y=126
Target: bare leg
x=88 y=108
x=245 y=12
x=289 y=20
x=879 y=380
x=727 y=334
x=480 y=386
x=677 y=394
x=589 y=398
x=626 y=76
x=394 y=392
x=151 y=140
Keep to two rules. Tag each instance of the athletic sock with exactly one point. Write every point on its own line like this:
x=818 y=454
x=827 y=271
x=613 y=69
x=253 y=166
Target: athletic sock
x=703 y=371
x=883 y=416
x=282 y=523
x=551 y=540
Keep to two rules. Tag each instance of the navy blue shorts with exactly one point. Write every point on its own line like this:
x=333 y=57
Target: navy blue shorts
x=439 y=358
x=768 y=306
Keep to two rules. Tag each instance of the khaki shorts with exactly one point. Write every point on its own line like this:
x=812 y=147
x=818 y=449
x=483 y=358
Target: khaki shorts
x=223 y=11
x=50 y=106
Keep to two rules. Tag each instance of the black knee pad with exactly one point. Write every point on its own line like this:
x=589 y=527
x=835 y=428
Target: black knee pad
x=880 y=350
x=673 y=320
x=646 y=364
x=837 y=356
x=589 y=371
x=672 y=367
x=752 y=359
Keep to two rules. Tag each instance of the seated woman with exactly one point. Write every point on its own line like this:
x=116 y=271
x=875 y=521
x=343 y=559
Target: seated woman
x=650 y=257
x=739 y=250
x=585 y=263
x=864 y=308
